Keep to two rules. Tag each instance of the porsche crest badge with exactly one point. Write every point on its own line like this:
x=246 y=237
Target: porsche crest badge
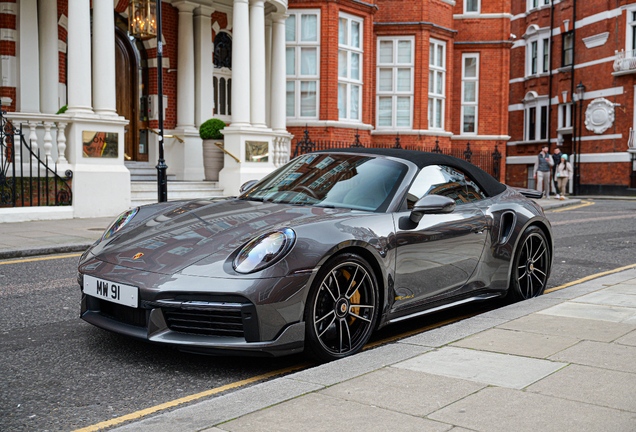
x=137 y=256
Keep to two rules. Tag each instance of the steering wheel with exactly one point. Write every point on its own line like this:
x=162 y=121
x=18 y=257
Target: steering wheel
x=306 y=190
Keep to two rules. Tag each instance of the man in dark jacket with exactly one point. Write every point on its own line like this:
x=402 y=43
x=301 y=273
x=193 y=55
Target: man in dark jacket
x=556 y=157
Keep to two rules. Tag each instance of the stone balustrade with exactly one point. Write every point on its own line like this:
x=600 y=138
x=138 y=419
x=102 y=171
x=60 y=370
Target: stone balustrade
x=46 y=132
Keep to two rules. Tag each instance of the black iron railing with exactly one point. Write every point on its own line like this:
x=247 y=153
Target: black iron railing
x=488 y=161
x=26 y=179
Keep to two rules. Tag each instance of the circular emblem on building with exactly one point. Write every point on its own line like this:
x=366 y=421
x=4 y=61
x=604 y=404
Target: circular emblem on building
x=599 y=115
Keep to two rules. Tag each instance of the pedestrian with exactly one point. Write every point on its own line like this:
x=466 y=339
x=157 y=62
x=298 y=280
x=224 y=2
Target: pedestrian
x=542 y=168
x=556 y=157
x=564 y=174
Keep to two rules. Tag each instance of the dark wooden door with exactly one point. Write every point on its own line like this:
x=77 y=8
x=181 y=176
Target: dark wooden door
x=127 y=99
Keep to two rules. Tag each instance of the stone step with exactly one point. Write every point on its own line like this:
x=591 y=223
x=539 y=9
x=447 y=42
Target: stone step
x=145 y=192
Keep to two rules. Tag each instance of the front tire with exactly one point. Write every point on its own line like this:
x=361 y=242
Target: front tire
x=531 y=266
x=342 y=308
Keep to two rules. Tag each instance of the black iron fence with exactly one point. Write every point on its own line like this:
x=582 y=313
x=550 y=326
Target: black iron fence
x=25 y=178
x=486 y=160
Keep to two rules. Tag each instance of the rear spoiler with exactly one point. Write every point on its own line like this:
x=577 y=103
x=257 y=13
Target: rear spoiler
x=528 y=193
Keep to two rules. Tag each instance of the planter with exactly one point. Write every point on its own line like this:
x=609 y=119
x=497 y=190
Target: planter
x=212 y=159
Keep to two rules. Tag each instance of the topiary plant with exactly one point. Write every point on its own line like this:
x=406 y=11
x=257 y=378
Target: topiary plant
x=211 y=129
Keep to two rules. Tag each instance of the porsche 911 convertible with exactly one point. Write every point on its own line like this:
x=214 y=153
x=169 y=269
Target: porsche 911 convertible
x=317 y=255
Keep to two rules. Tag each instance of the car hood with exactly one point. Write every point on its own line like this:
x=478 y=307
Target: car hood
x=178 y=237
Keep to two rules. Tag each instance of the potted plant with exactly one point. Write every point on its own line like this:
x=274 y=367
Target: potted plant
x=210 y=133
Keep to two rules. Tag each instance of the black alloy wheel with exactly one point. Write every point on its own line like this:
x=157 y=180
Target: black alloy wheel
x=342 y=308
x=531 y=267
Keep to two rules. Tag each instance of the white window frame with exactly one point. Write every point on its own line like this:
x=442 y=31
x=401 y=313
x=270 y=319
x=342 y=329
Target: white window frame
x=394 y=93
x=437 y=96
x=537 y=102
x=565 y=114
x=297 y=78
x=630 y=28
x=348 y=81
x=467 y=12
x=538 y=37
x=464 y=103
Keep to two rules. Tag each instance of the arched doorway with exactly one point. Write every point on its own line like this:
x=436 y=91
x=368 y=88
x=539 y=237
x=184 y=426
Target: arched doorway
x=222 y=77
x=131 y=71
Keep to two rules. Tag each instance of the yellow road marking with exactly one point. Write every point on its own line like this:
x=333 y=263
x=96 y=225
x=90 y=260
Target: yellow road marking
x=40 y=259
x=174 y=403
x=585 y=204
x=590 y=277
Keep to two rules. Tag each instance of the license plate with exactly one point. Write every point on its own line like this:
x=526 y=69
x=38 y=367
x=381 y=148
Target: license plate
x=111 y=291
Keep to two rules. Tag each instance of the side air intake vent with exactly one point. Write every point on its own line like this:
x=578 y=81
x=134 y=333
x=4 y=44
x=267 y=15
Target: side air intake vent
x=508 y=220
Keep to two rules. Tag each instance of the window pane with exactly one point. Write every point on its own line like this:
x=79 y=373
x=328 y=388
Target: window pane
x=308 y=57
x=546 y=51
x=470 y=67
x=469 y=119
x=440 y=83
x=386 y=80
x=440 y=56
x=469 y=91
x=385 y=110
x=430 y=112
x=342 y=64
x=290 y=28
x=355 y=102
x=355 y=34
x=404 y=80
x=308 y=99
x=342 y=100
x=291 y=108
x=431 y=82
x=291 y=61
x=342 y=32
x=438 y=113
x=472 y=6
x=403 y=113
x=404 y=51
x=355 y=66
x=386 y=51
x=309 y=28
x=431 y=54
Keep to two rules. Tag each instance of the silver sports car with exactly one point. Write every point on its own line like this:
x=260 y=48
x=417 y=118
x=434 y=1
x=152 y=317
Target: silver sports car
x=317 y=255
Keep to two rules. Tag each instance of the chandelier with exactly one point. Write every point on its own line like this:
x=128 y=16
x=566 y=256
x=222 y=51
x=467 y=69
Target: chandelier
x=143 y=18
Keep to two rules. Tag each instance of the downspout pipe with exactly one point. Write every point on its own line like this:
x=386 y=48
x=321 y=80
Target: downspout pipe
x=550 y=76
x=574 y=105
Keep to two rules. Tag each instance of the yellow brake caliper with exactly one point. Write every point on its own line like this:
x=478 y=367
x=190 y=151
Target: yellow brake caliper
x=355 y=299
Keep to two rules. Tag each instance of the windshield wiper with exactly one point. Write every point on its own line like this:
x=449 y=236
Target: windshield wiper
x=259 y=199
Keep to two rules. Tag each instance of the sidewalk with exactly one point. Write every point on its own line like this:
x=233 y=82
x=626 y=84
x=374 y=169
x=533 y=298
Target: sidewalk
x=20 y=239
x=560 y=362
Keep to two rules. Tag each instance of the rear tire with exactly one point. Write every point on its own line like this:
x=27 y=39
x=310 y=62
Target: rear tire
x=531 y=265
x=342 y=308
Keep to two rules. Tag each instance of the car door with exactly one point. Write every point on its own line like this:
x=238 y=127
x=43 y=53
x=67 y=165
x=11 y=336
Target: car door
x=436 y=257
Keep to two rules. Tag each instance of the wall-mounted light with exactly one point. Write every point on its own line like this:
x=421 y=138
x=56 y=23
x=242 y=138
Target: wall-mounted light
x=142 y=19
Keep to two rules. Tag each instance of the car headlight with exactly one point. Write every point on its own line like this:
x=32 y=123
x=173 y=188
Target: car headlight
x=120 y=222
x=264 y=250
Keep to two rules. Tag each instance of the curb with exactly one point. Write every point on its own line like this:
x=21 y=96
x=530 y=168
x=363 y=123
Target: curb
x=557 y=204
x=47 y=250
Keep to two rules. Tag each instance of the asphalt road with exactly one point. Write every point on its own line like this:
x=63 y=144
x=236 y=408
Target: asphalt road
x=58 y=373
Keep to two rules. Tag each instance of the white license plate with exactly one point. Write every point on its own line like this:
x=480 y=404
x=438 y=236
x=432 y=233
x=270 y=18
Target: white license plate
x=111 y=291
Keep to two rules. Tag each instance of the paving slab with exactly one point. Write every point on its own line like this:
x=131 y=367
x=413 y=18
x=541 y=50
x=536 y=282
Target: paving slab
x=622 y=288
x=517 y=310
x=577 y=328
x=484 y=367
x=450 y=333
x=506 y=410
x=628 y=339
x=405 y=391
x=317 y=412
x=608 y=298
x=630 y=281
x=591 y=385
x=223 y=408
x=517 y=342
x=351 y=367
x=575 y=291
x=590 y=311
x=602 y=355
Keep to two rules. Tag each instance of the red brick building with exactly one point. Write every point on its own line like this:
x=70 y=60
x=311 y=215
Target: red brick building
x=559 y=45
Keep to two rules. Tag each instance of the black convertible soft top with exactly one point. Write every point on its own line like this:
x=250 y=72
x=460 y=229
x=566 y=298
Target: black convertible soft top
x=486 y=182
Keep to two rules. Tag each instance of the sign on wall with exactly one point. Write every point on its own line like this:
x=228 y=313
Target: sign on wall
x=100 y=144
x=256 y=151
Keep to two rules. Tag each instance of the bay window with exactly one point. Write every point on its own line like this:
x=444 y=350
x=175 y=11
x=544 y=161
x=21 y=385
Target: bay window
x=395 y=82
x=350 y=67
x=302 y=36
x=470 y=93
x=436 y=84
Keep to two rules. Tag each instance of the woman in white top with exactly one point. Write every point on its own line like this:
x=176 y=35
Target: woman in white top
x=564 y=173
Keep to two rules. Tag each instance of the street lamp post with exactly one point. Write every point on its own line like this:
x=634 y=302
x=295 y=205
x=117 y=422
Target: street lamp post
x=580 y=92
x=145 y=23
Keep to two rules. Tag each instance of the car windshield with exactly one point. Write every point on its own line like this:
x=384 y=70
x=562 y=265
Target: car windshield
x=332 y=180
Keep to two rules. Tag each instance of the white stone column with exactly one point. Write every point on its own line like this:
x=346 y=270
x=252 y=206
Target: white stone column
x=104 y=87
x=241 y=64
x=79 y=53
x=29 y=86
x=49 y=56
x=257 y=63
x=278 y=106
x=185 y=66
x=203 y=66
x=268 y=72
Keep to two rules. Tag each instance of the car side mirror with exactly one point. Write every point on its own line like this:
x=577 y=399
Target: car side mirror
x=432 y=204
x=247 y=185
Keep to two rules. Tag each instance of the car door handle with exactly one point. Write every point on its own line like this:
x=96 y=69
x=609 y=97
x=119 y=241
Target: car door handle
x=479 y=230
